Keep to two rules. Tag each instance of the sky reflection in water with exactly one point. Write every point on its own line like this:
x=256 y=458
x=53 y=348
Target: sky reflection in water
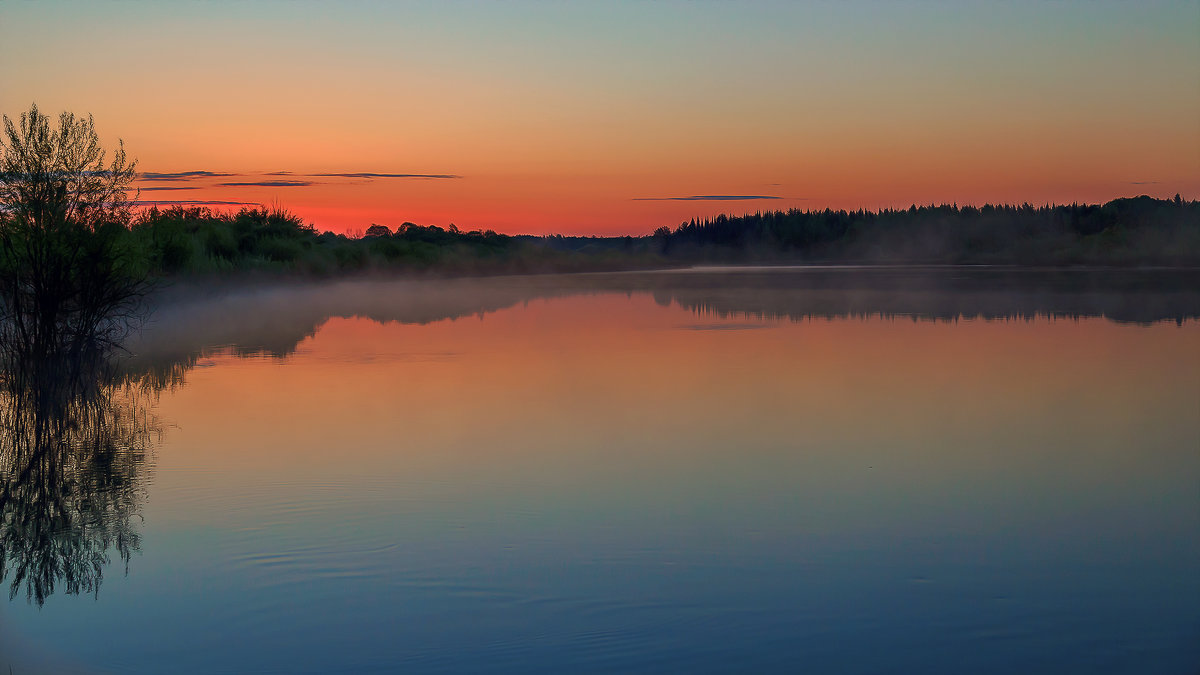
x=522 y=475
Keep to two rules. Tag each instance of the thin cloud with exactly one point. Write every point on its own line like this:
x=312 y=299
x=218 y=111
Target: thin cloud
x=156 y=188
x=1143 y=182
x=708 y=198
x=191 y=202
x=182 y=175
x=368 y=174
x=270 y=183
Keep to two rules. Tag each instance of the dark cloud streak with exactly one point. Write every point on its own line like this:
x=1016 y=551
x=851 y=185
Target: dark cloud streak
x=191 y=202
x=182 y=175
x=270 y=183
x=368 y=174
x=710 y=198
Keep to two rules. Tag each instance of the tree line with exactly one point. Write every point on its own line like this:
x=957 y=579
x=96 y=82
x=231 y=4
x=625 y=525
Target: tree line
x=76 y=252
x=1129 y=231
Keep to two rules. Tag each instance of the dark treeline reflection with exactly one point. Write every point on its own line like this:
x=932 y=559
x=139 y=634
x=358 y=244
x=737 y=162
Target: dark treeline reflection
x=938 y=294
x=274 y=319
x=77 y=428
x=75 y=443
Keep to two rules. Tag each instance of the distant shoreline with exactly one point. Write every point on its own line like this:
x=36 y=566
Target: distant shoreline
x=166 y=286
x=1138 y=232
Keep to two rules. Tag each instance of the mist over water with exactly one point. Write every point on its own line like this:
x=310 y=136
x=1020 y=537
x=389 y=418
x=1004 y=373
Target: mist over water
x=934 y=470
x=274 y=318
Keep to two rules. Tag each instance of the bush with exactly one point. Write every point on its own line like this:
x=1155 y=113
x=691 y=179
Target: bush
x=279 y=250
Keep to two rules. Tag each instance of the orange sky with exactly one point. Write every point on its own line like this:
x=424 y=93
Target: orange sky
x=598 y=118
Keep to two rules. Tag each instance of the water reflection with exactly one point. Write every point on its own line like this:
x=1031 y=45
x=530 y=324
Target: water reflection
x=935 y=294
x=273 y=320
x=78 y=431
x=75 y=442
x=600 y=482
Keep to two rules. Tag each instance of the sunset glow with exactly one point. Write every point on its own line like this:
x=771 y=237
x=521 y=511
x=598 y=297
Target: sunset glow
x=617 y=118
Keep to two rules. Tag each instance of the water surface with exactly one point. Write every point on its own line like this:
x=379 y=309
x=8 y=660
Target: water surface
x=825 y=471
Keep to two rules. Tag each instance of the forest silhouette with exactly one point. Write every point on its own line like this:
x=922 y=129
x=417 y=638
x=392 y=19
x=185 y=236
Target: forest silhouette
x=1141 y=231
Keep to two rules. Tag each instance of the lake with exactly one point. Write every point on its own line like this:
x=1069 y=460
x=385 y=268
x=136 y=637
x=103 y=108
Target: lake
x=938 y=470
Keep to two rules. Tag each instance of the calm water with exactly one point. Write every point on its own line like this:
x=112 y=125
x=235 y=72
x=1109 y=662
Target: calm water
x=823 y=471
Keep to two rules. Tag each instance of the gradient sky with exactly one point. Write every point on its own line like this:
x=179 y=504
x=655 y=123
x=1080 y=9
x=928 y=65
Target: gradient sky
x=599 y=118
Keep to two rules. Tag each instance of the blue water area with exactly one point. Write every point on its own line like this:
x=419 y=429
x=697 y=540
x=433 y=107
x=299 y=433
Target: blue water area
x=750 y=473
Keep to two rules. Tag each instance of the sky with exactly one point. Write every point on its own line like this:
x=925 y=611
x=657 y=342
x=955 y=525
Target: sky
x=619 y=117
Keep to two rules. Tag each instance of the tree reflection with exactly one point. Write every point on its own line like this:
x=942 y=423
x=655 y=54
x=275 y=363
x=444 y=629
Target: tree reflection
x=273 y=319
x=75 y=442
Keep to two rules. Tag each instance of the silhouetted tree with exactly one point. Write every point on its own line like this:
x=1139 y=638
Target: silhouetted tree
x=67 y=280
